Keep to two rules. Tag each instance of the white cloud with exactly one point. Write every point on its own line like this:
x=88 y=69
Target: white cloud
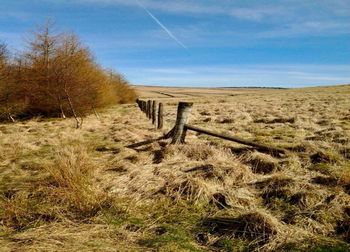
x=19 y=15
x=254 y=10
x=309 y=28
x=257 y=13
x=170 y=70
x=165 y=5
x=248 y=75
x=287 y=18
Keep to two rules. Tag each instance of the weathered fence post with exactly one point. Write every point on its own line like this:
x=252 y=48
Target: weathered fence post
x=146 y=108
x=154 y=112
x=149 y=104
x=179 y=131
x=143 y=106
x=160 y=116
x=139 y=102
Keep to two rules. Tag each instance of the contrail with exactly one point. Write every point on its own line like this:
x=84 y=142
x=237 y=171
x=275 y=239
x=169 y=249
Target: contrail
x=161 y=25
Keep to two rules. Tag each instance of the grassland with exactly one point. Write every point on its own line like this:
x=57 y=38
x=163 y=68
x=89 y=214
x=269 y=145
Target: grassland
x=63 y=189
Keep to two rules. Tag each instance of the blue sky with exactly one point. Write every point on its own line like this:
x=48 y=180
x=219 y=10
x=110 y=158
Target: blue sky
x=285 y=43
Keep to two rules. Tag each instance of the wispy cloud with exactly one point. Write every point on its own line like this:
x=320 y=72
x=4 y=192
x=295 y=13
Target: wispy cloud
x=17 y=15
x=283 y=18
x=248 y=75
x=180 y=6
x=171 y=70
x=253 y=10
x=308 y=28
x=257 y=13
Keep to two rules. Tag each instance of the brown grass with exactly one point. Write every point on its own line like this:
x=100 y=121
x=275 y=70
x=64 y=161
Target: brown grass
x=83 y=190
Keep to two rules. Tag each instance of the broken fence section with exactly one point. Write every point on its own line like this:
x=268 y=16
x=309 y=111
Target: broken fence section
x=178 y=132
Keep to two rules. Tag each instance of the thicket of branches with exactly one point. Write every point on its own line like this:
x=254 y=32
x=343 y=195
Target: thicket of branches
x=57 y=77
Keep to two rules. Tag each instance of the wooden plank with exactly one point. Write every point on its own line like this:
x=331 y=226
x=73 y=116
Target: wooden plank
x=262 y=147
x=135 y=145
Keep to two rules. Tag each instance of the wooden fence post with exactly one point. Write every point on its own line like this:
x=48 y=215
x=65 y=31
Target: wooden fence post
x=149 y=105
x=154 y=112
x=179 y=131
x=146 y=108
x=143 y=106
x=160 y=116
x=139 y=102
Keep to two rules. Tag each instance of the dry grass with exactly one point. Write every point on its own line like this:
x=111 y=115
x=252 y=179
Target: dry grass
x=72 y=173
x=83 y=190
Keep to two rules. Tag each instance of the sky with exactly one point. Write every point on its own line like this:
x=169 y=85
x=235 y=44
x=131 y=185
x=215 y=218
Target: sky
x=200 y=43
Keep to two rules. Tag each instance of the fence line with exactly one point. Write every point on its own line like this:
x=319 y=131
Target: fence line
x=178 y=132
x=150 y=109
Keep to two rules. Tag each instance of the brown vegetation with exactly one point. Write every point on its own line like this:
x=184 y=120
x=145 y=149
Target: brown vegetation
x=58 y=77
x=85 y=191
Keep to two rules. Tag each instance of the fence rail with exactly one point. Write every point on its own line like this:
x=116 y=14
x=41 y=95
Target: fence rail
x=178 y=132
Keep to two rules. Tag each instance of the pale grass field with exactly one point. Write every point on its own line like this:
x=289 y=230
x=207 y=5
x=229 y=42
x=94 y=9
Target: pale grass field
x=63 y=189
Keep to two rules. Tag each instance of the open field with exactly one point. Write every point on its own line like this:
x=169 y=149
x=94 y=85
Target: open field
x=63 y=189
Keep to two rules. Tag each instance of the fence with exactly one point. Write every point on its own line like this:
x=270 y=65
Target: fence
x=150 y=109
x=178 y=132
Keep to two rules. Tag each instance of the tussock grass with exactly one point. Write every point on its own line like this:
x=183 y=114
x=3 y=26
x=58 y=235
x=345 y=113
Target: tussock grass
x=65 y=191
x=256 y=226
x=261 y=163
x=72 y=172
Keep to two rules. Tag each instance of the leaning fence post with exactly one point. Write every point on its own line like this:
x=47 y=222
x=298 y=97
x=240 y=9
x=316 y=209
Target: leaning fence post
x=179 y=131
x=154 y=112
x=160 y=116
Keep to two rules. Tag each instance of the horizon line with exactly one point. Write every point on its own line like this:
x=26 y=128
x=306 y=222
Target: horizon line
x=237 y=87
